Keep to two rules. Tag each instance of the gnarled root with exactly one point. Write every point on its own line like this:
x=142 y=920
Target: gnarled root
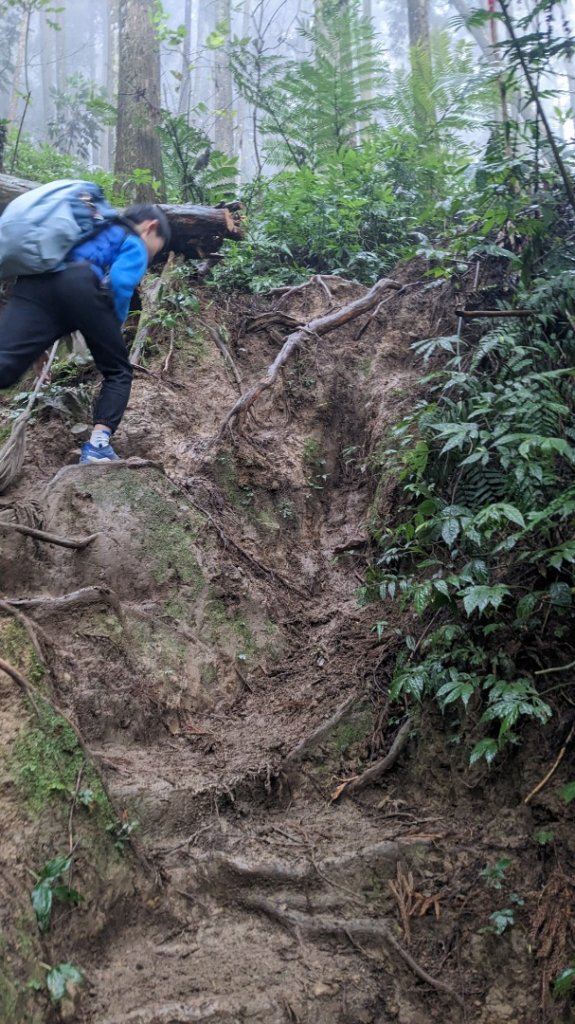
x=354 y=928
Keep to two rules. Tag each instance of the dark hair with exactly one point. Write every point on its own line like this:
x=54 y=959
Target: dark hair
x=147 y=211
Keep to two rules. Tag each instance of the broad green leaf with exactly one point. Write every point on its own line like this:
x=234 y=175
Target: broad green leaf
x=486 y=748
x=450 y=531
x=59 y=978
x=42 y=904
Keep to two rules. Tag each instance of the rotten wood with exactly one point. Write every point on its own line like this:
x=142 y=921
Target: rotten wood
x=77 y=543
x=315 y=328
x=198 y=232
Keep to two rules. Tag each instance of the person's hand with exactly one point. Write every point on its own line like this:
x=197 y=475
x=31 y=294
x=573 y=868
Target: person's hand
x=41 y=363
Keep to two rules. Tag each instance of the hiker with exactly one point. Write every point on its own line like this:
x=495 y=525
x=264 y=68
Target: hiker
x=89 y=292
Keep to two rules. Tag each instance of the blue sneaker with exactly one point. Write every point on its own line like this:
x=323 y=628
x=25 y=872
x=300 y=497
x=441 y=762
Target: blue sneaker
x=92 y=454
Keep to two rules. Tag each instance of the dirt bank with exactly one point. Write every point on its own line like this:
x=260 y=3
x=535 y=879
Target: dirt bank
x=206 y=632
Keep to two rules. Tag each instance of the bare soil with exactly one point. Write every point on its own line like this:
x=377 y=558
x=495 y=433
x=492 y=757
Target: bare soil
x=214 y=625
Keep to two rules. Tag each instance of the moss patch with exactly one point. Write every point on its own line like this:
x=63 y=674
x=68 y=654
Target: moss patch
x=45 y=760
x=17 y=649
x=167 y=542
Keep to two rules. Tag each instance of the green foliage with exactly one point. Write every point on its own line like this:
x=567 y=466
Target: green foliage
x=483 y=534
x=61 y=981
x=45 y=891
x=496 y=875
x=46 y=759
x=195 y=173
x=81 y=112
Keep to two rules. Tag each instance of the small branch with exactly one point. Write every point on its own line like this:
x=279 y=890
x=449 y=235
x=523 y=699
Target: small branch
x=375 y=771
x=476 y=314
x=78 y=543
x=319 y=326
x=549 y=775
x=556 y=668
x=166 y=365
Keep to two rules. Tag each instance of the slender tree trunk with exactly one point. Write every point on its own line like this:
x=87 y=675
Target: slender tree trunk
x=224 y=127
x=139 y=109
x=19 y=70
x=48 y=49
x=420 y=61
x=186 y=79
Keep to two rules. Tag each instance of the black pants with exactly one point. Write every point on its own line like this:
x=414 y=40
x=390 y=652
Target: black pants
x=45 y=307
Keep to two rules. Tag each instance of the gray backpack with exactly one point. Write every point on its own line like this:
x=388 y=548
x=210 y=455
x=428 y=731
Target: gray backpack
x=38 y=229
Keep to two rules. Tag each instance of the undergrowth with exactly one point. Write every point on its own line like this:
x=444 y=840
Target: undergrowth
x=482 y=549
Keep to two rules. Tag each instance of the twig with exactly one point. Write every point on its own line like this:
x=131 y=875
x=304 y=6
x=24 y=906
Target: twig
x=166 y=366
x=375 y=771
x=556 y=668
x=319 y=326
x=78 y=543
x=358 y=927
x=537 y=789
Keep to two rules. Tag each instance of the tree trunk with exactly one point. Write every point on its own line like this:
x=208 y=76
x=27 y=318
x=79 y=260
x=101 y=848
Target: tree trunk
x=19 y=70
x=48 y=48
x=139 y=107
x=186 y=79
x=224 y=128
x=420 y=62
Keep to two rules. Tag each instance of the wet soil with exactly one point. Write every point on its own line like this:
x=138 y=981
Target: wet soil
x=213 y=626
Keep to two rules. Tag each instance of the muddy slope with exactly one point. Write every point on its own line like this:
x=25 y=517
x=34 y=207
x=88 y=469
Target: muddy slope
x=198 y=642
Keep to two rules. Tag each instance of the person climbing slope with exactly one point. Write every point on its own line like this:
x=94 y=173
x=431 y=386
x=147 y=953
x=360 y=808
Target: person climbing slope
x=89 y=292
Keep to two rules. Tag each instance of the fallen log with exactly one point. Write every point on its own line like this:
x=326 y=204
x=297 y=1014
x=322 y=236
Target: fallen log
x=197 y=231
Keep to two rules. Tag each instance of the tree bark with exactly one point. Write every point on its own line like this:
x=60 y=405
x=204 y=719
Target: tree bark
x=139 y=103
x=224 y=128
x=185 y=81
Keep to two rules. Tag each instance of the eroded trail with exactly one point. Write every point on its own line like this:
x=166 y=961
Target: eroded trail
x=198 y=641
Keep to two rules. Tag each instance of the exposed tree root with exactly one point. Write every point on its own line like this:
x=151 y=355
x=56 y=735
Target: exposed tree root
x=49 y=538
x=220 y=867
x=321 y=732
x=33 y=630
x=375 y=771
x=317 y=327
x=355 y=928
x=549 y=775
x=223 y=348
x=75 y=599
x=35 y=697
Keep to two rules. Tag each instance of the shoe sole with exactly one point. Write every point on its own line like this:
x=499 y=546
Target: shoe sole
x=95 y=462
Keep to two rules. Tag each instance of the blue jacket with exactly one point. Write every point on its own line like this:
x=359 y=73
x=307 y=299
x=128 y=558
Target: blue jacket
x=119 y=258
